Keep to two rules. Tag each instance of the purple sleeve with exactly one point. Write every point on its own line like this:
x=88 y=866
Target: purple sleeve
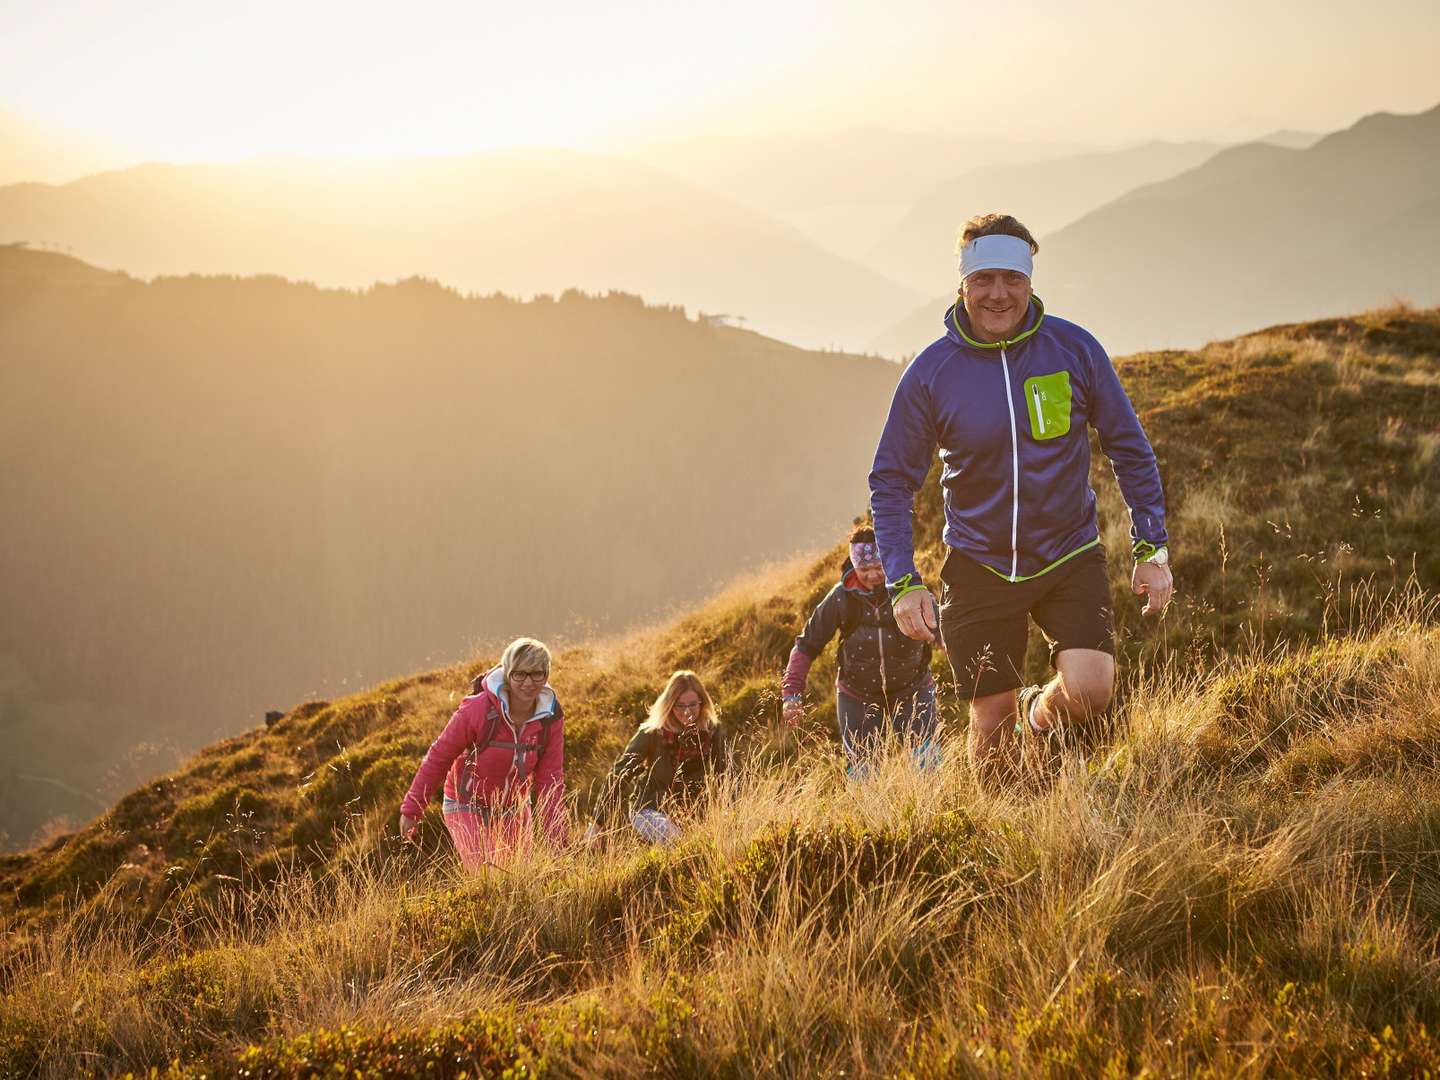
x=902 y=461
x=1131 y=456
x=796 y=672
x=448 y=745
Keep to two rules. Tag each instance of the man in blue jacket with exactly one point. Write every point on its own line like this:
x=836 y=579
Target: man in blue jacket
x=1007 y=395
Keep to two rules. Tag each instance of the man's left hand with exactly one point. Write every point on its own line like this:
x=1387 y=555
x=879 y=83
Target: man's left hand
x=1152 y=581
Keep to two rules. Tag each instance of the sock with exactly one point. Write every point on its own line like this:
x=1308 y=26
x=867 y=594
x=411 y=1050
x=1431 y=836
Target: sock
x=1030 y=715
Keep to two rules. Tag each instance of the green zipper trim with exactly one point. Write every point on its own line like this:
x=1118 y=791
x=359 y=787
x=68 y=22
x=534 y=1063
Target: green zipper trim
x=955 y=322
x=1052 y=566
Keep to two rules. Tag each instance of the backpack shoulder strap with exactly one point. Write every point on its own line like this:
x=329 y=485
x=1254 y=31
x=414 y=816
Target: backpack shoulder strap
x=492 y=718
x=850 y=613
x=545 y=724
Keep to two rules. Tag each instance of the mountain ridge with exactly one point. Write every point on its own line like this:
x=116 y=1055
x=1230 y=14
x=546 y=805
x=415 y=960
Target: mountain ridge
x=1260 y=233
x=523 y=222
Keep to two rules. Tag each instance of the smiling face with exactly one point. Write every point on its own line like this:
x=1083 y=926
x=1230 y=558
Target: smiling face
x=996 y=302
x=687 y=708
x=871 y=577
x=525 y=686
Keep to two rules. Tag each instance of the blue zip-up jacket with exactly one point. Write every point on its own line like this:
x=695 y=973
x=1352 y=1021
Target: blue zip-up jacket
x=1010 y=420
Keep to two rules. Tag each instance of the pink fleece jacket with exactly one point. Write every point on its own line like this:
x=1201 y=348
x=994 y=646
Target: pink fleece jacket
x=514 y=769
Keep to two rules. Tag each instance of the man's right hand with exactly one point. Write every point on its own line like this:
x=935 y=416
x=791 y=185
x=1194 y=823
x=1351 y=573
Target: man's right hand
x=915 y=615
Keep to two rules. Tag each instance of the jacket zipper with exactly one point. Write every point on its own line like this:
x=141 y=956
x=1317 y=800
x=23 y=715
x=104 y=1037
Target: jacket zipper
x=884 y=678
x=1014 y=471
x=1039 y=411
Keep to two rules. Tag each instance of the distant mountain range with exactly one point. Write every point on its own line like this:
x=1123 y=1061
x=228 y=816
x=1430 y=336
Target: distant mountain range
x=845 y=190
x=31 y=153
x=522 y=222
x=1045 y=195
x=824 y=240
x=1256 y=234
x=221 y=494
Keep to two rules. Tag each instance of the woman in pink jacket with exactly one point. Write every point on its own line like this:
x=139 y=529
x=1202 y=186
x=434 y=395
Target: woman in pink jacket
x=502 y=759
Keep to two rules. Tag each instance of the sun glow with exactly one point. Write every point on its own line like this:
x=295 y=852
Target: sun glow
x=343 y=82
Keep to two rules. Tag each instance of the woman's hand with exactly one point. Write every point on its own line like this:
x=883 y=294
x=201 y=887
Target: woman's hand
x=793 y=712
x=407 y=827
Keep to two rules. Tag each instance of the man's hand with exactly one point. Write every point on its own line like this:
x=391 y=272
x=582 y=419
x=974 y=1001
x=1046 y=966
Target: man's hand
x=1152 y=581
x=915 y=615
x=407 y=827
x=594 y=838
x=793 y=712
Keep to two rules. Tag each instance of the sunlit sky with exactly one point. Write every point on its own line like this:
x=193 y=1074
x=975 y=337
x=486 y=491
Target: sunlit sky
x=188 y=80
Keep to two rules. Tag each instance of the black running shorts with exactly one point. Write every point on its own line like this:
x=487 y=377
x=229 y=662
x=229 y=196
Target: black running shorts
x=984 y=625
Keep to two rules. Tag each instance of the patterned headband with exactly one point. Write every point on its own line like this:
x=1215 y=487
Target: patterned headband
x=865 y=553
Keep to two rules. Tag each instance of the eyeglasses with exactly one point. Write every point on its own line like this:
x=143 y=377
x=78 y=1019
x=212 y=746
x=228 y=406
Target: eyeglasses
x=528 y=676
x=694 y=706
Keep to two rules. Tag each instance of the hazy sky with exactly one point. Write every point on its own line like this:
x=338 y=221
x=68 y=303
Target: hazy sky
x=182 y=79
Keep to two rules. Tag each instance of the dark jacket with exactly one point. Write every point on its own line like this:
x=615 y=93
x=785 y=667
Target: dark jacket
x=877 y=662
x=659 y=769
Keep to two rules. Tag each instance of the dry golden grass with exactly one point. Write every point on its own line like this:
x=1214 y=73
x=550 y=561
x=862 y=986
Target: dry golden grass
x=1242 y=877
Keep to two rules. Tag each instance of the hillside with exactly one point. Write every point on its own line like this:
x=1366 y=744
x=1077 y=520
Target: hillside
x=521 y=222
x=223 y=495
x=1241 y=877
x=1255 y=234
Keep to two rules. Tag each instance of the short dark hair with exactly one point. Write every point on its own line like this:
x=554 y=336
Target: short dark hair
x=996 y=225
x=862 y=534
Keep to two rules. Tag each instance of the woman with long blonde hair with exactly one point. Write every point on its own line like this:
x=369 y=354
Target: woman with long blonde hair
x=678 y=744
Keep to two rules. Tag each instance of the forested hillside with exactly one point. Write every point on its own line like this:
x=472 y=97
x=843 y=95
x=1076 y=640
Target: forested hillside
x=225 y=495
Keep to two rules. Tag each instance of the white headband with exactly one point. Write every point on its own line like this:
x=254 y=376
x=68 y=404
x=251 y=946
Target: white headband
x=996 y=253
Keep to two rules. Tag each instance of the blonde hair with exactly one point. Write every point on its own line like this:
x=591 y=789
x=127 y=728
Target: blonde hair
x=663 y=705
x=525 y=651
x=995 y=225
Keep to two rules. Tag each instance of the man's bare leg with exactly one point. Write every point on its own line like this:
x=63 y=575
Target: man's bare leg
x=1082 y=688
x=992 y=737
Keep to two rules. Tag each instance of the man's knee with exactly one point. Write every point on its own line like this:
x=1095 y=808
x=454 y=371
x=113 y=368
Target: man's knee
x=1093 y=695
x=1087 y=678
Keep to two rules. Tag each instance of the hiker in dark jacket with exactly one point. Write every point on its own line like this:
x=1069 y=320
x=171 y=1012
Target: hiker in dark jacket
x=884 y=685
x=665 y=765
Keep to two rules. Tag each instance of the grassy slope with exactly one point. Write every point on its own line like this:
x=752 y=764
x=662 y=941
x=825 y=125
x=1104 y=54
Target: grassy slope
x=1248 y=877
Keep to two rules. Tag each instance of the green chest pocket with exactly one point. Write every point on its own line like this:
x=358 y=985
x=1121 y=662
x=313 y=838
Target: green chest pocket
x=1047 y=399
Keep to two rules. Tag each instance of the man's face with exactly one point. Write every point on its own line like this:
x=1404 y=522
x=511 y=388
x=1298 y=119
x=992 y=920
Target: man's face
x=996 y=301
